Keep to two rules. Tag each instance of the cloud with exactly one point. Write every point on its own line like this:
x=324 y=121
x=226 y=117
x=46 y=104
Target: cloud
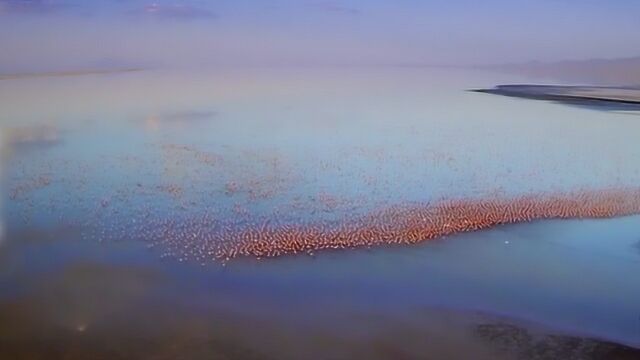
x=334 y=7
x=31 y=6
x=177 y=11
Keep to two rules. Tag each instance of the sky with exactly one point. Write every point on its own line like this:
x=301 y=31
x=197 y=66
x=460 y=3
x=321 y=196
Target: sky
x=70 y=34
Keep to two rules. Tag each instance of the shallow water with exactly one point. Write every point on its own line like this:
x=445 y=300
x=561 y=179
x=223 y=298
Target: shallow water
x=87 y=159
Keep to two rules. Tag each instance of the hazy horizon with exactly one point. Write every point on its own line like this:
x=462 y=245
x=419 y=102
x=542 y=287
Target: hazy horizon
x=67 y=34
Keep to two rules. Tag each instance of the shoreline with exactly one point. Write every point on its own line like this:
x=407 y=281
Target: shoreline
x=29 y=75
x=612 y=98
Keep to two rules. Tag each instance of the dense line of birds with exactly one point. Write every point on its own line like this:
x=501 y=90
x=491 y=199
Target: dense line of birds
x=219 y=237
x=251 y=204
x=25 y=187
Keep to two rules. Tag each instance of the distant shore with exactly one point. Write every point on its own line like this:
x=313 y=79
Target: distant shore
x=612 y=98
x=65 y=73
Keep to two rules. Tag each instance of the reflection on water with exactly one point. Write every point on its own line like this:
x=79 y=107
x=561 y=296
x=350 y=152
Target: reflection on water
x=31 y=136
x=148 y=155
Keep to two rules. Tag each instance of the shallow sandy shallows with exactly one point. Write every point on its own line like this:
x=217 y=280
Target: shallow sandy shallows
x=97 y=311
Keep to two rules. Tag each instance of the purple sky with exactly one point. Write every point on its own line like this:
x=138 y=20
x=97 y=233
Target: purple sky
x=42 y=34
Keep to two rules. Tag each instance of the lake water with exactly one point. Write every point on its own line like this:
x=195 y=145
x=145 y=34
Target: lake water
x=89 y=161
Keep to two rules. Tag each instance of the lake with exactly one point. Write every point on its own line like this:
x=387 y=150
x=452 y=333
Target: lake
x=113 y=184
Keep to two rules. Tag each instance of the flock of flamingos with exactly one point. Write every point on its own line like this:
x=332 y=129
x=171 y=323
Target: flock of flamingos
x=206 y=238
x=208 y=234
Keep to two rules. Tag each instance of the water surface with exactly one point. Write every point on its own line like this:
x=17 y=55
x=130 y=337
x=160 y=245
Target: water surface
x=87 y=158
